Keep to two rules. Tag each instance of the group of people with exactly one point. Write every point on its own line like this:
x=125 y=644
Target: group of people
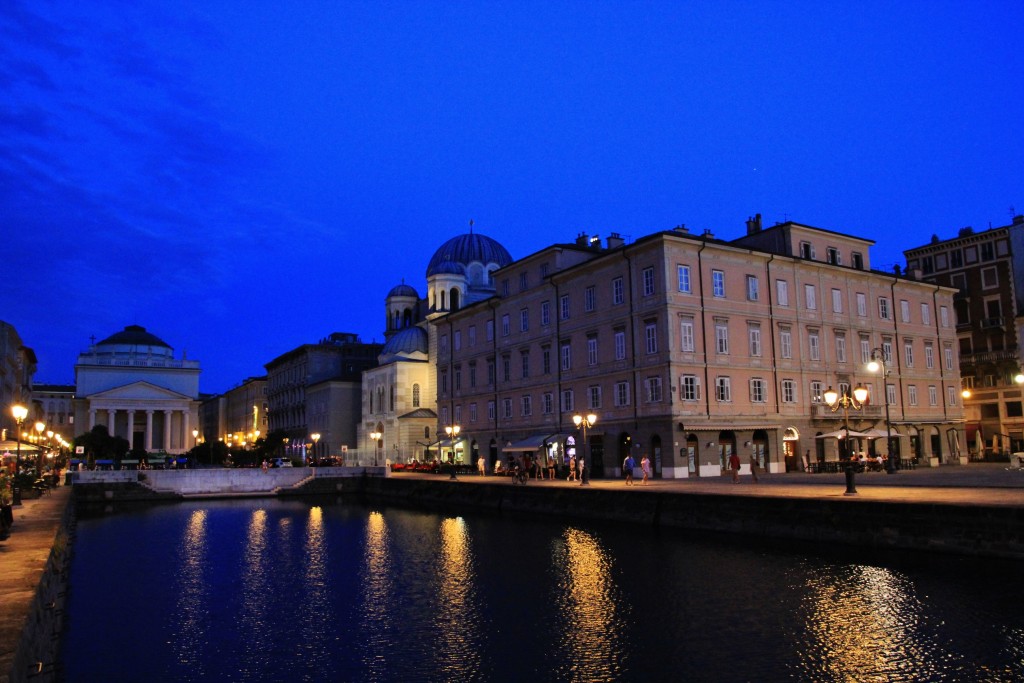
x=629 y=467
x=734 y=467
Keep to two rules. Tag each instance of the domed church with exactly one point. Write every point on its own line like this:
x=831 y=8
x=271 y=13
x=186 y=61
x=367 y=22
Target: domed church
x=399 y=396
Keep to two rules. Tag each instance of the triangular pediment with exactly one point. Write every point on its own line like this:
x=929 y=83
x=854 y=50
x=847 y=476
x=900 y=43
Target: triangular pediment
x=139 y=391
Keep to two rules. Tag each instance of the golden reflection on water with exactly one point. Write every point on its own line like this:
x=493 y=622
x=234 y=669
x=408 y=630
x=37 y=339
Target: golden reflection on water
x=377 y=598
x=457 y=625
x=317 y=617
x=255 y=621
x=592 y=626
x=190 y=634
x=861 y=629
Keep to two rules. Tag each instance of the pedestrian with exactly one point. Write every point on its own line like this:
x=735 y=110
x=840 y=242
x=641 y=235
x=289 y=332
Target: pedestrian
x=572 y=468
x=581 y=464
x=734 y=465
x=753 y=467
x=645 y=465
x=480 y=465
x=627 y=468
x=264 y=467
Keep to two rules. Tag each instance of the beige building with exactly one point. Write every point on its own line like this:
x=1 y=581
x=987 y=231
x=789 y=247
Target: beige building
x=986 y=270
x=688 y=348
x=238 y=416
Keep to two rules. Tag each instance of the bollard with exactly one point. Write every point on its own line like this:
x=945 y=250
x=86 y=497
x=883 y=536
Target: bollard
x=15 y=495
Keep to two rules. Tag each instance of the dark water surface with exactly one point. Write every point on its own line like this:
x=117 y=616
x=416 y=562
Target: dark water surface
x=266 y=590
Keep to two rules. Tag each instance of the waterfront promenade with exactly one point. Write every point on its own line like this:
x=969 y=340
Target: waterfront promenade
x=24 y=554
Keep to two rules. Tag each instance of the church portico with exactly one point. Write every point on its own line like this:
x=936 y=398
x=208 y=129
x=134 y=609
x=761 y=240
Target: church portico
x=155 y=426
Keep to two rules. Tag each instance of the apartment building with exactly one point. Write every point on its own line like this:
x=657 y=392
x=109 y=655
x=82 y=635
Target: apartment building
x=986 y=270
x=688 y=348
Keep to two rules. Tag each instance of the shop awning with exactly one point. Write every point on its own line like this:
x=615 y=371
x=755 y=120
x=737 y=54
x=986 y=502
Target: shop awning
x=528 y=444
x=444 y=443
x=973 y=431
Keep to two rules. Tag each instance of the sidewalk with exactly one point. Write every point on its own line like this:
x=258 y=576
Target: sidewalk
x=23 y=557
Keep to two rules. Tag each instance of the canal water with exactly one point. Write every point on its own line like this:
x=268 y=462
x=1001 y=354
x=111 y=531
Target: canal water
x=323 y=590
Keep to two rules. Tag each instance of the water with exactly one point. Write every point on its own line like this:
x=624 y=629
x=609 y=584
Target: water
x=264 y=590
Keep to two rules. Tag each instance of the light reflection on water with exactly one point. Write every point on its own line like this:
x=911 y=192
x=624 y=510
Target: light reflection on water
x=273 y=590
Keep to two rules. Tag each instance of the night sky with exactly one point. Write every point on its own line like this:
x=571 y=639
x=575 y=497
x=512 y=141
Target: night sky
x=241 y=178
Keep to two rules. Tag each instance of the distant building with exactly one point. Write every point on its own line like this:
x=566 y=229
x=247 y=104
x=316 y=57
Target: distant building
x=239 y=416
x=986 y=269
x=17 y=366
x=132 y=383
x=315 y=388
x=688 y=348
x=55 y=406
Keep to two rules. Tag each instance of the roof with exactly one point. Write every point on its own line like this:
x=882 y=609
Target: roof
x=403 y=290
x=465 y=249
x=134 y=335
x=409 y=340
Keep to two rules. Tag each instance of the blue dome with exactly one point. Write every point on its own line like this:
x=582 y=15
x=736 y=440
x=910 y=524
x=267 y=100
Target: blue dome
x=409 y=340
x=465 y=249
x=447 y=268
x=134 y=335
x=403 y=290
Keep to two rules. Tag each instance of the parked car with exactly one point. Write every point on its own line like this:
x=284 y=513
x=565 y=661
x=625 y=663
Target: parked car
x=282 y=462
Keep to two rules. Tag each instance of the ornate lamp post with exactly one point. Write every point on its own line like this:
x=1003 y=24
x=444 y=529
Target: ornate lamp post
x=19 y=412
x=453 y=433
x=375 y=437
x=316 y=440
x=835 y=402
x=40 y=428
x=878 y=364
x=584 y=423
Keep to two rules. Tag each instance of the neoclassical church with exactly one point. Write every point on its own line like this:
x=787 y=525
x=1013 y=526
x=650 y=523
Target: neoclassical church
x=132 y=383
x=400 y=395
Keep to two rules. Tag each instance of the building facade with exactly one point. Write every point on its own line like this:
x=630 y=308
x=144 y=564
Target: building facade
x=132 y=383
x=17 y=366
x=687 y=348
x=986 y=269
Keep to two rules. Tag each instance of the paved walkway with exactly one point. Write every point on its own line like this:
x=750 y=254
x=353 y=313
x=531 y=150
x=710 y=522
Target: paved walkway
x=23 y=557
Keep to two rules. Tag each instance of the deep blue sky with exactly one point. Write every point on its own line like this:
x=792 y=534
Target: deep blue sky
x=242 y=178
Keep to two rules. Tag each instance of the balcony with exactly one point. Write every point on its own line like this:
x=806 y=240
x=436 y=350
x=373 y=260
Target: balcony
x=988 y=323
x=821 y=411
x=987 y=357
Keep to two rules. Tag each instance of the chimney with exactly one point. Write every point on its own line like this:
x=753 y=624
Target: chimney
x=708 y=235
x=964 y=232
x=582 y=240
x=594 y=242
x=682 y=228
x=614 y=241
x=1017 y=220
x=754 y=224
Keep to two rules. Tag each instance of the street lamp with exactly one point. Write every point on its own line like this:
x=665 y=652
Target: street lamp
x=584 y=423
x=19 y=412
x=878 y=363
x=453 y=433
x=316 y=439
x=835 y=402
x=375 y=437
x=40 y=428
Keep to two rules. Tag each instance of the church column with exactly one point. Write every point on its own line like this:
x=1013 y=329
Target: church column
x=110 y=420
x=167 y=431
x=185 y=430
x=131 y=429
x=149 y=430
x=92 y=418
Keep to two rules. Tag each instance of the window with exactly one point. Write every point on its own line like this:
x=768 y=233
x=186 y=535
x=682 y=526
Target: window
x=617 y=290
x=686 y=334
x=589 y=298
x=653 y=387
x=806 y=250
x=752 y=288
x=832 y=256
x=543 y=270
x=524 y=320
x=504 y=287
x=647 y=275
x=948 y=353
x=490 y=330
x=620 y=344
x=490 y=372
x=933 y=395
x=723 y=389
x=457 y=340
x=959 y=281
x=567 y=401
x=444 y=384
x=621 y=394
x=754 y=338
x=757 y=392
x=786 y=342
x=883 y=308
x=472 y=335
x=566 y=356
x=592 y=350
x=444 y=415
x=522 y=281
x=594 y=396
x=506 y=367
x=788 y=391
x=526 y=406
x=837 y=301
x=912 y=395
x=865 y=350
x=458 y=378
x=904 y=311
x=782 y=292
x=929 y=356
x=415 y=395
x=472 y=374
x=545 y=313
x=813 y=346
x=944 y=316
x=443 y=343
x=810 y=297
x=956 y=259
x=490 y=411
x=721 y=338
x=683 y=277
x=840 y=348
x=651 y=337
x=887 y=351
x=689 y=388
x=506 y=408
x=908 y=353
x=926 y=314
x=989 y=278
x=524 y=363
x=862 y=304
x=547 y=403
x=951 y=396
x=816 y=391
x=987 y=251
x=858 y=260
x=504 y=325
x=718 y=283
x=472 y=412
x=564 y=306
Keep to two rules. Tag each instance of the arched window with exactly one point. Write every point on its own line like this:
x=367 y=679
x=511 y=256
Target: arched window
x=415 y=395
x=426 y=433
x=406 y=318
x=392 y=399
x=444 y=305
x=380 y=399
x=455 y=298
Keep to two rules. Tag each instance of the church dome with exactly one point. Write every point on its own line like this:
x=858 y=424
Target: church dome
x=403 y=290
x=134 y=335
x=409 y=340
x=465 y=249
x=447 y=268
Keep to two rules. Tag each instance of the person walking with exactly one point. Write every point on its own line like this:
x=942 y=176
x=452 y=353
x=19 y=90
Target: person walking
x=645 y=465
x=627 y=468
x=753 y=467
x=480 y=466
x=572 y=468
x=734 y=465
